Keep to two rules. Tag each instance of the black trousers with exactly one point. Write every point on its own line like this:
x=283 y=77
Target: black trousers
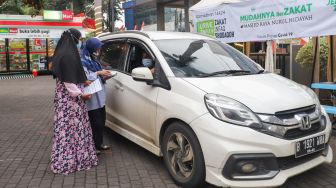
x=97 y=120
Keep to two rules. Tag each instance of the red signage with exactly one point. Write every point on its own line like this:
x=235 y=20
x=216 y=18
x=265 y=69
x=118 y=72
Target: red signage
x=67 y=15
x=39 y=23
x=13 y=30
x=37 y=42
x=89 y=23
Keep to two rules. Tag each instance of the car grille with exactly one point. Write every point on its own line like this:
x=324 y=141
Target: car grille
x=298 y=133
x=291 y=113
x=290 y=161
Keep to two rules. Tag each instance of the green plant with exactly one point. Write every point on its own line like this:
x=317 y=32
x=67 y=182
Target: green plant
x=57 y=4
x=305 y=55
x=29 y=10
x=11 y=7
x=89 y=11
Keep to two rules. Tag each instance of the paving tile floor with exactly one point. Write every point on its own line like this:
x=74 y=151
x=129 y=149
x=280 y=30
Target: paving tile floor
x=26 y=115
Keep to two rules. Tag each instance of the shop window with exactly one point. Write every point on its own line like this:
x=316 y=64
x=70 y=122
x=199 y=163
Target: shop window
x=3 y=67
x=174 y=19
x=38 y=54
x=258 y=47
x=282 y=49
x=18 y=55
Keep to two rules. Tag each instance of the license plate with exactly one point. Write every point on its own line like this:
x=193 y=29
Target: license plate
x=309 y=145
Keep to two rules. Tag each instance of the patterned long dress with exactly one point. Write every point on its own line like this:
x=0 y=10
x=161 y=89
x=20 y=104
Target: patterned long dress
x=73 y=148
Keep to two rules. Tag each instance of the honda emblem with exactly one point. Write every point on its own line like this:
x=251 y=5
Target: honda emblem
x=304 y=121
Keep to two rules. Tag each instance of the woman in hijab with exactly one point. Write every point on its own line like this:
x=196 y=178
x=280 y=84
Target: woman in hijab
x=96 y=105
x=73 y=148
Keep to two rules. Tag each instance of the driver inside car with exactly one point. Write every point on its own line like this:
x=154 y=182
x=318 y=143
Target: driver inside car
x=147 y=61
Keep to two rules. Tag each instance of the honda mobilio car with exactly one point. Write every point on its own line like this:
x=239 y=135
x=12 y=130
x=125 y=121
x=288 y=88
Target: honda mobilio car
x=212 y=113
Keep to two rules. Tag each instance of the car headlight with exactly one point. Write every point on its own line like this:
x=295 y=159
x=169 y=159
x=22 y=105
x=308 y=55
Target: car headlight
x=230 y=110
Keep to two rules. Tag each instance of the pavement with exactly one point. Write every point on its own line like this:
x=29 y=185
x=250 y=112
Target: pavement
x=26 y=128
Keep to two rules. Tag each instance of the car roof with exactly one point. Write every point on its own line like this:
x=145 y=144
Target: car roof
x=158 y=35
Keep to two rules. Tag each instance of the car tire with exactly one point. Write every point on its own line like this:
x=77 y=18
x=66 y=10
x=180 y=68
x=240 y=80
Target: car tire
x=183 y=156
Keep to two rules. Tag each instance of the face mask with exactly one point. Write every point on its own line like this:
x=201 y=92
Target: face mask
x=96 y=54
x=147 y=62
x=79 y=45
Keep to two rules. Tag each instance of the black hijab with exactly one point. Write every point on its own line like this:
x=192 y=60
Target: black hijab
x=66 y=63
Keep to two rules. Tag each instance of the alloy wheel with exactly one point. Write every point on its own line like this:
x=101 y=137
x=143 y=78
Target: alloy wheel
x=180 y=155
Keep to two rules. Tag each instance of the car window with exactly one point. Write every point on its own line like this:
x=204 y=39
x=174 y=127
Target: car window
x=199 y=58
x=113 y=55
x=136 y=56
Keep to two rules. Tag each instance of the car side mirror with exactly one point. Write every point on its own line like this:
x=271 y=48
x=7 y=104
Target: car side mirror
x=142 y=74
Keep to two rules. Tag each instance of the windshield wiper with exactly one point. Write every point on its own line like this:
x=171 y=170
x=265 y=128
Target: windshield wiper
x=227 y=72
x=261 y=72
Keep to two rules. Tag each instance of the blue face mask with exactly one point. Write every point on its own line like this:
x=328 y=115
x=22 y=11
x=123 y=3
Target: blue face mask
x=147 y=62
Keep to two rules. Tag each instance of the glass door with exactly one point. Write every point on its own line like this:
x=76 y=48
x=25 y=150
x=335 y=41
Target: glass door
x=3 y=56
x=17 y=55
x=52 y=43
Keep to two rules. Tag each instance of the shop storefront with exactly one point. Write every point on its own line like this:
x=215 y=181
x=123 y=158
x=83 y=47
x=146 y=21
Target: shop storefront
x=28 y=43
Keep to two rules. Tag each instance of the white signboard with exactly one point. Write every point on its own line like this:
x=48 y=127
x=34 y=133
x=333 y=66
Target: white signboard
x=260 y=20
x=32 y=33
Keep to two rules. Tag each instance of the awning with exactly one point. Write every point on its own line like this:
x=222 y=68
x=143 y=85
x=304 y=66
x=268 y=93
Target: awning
x=205 y=4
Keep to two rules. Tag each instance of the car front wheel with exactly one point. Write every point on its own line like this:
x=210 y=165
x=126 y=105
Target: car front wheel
x=183 y=155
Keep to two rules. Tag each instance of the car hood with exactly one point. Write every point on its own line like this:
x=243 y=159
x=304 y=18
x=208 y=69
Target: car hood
x=262 y=93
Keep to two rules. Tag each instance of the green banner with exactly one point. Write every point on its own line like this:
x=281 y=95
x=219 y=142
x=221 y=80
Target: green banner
x=261 y=20
x=206 y=27
x=52 y=15
x=4 y=30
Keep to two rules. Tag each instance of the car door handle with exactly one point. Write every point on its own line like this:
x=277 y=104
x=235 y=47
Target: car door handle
x=119 y=87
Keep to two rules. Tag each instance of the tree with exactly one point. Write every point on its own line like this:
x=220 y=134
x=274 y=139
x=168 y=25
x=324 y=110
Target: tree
x=29 y=10
x=36 y=7
x=89 y=11
x=36 y=4
x=117 y=8
x=305 y=55
x=57 y=4
x=80 y=6
x=76 y=6
x=11 y=7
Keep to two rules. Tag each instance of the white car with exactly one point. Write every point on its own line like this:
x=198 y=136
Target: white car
x=210 y=111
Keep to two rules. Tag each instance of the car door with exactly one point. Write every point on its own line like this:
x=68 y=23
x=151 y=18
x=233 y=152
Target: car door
x=113 y=57
x=133 y=103
x=140 y=97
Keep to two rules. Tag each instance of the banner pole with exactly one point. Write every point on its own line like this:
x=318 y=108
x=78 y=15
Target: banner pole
x=291 y=60
x=332 y=60
x=316 y=61
x=275 y=55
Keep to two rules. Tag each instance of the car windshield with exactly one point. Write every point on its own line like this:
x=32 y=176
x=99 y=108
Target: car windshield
x=205 y=58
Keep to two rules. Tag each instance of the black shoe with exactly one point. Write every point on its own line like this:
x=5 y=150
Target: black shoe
x=104 y=147
x=98 y=152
